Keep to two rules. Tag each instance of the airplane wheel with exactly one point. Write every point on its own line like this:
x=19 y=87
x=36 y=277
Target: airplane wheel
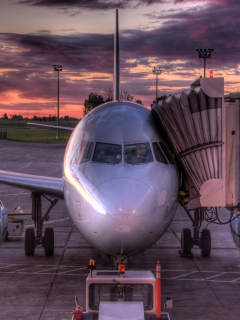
x=49 y=242
x=206 y=243
x=29 y=242
x=186 y=241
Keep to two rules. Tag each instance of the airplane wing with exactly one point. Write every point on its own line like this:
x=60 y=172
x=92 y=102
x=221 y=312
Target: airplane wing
x=41 y=184
x=50 y=127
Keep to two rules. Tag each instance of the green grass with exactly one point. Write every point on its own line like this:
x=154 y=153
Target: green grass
x=18 y=130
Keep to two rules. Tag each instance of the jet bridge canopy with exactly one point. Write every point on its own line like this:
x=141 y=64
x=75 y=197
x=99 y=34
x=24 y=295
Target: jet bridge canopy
x=204 y=133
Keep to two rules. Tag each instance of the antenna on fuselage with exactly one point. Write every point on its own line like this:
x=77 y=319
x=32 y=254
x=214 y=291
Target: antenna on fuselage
x=116 y=81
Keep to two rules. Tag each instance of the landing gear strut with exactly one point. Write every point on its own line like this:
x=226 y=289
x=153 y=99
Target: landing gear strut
x=202 y=239
x=32 y=239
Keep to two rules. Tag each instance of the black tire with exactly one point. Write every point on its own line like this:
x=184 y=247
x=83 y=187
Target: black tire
x=29 y=242
x=206 y=243
x=186 y=241
x=49 y=242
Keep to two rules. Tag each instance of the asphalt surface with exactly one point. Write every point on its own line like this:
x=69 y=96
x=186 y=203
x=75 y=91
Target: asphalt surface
x=43 y=288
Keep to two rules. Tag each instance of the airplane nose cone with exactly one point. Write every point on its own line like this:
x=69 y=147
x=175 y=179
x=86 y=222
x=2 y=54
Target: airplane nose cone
x=131 y=217
x=124 y=196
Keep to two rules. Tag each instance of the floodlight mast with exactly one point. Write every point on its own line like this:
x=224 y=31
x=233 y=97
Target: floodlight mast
x=205 y=54
x=157 y=71
x=58 y=68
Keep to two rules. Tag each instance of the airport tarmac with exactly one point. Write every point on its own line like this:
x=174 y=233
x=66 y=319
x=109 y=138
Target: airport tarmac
x=43 y=288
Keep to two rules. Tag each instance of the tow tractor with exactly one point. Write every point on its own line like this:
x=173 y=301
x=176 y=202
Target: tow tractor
x=123 y=294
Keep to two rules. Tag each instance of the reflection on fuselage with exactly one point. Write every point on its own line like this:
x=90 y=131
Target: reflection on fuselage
x=121 y=183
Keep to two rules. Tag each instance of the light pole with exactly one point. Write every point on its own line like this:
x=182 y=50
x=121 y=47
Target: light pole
x=156 y=71
x=57 y=67
x=204 y=53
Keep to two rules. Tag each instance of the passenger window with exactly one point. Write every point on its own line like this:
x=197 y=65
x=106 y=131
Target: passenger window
x=138 y=153
x=166 y=152
x=83 y=153
x=107 y=153
x=159 y=155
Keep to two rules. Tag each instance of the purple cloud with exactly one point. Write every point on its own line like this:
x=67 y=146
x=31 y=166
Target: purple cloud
x=30 y=57
x=90 y=4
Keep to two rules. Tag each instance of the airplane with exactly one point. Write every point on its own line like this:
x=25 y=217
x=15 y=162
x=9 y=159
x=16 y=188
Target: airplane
x=120 y=180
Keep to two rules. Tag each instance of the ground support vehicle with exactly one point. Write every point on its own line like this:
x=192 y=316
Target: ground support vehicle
x=16 y=223
x=12 y=223
x=136 y=294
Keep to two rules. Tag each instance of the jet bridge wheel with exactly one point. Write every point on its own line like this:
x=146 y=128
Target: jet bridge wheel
x=205 y=243
x=186 y=243
x=29 y=242
x=48 y=242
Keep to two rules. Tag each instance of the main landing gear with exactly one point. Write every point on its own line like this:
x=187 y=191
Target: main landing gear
x=33 y=239
x=202 y=239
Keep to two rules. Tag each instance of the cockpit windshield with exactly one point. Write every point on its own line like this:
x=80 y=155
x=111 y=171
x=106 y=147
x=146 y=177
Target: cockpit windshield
x=138 y=153
x=107 y=153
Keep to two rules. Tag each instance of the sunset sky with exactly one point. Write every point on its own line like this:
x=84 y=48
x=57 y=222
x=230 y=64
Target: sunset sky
x=35 y=34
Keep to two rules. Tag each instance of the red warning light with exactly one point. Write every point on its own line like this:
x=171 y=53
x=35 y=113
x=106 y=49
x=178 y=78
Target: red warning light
x=211 y=74
x=121 y=268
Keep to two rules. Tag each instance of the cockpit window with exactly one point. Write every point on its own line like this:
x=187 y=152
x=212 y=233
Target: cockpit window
x=166 y=152
x=138 y=153
x=159 y=155
x=86 y=153
x=107 y=153
x=83 y=153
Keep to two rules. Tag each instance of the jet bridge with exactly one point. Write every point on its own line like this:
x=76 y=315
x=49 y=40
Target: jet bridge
x=204 y=133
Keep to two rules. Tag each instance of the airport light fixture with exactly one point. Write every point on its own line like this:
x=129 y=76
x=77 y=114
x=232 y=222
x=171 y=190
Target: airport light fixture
x=156 y=71
x=204 y=54
x=58 y=68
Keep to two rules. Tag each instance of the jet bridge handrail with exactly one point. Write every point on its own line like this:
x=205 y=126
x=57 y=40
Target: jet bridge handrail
x=199 y=147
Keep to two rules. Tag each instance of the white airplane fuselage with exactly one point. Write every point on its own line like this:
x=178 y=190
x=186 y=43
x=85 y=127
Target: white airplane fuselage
x=121 y=198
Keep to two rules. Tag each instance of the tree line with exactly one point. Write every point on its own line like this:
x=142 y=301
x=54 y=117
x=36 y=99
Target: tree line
x=36 y=118
x=94 y=99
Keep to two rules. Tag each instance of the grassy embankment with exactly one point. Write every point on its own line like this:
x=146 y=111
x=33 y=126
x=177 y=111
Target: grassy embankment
x=18 y=130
